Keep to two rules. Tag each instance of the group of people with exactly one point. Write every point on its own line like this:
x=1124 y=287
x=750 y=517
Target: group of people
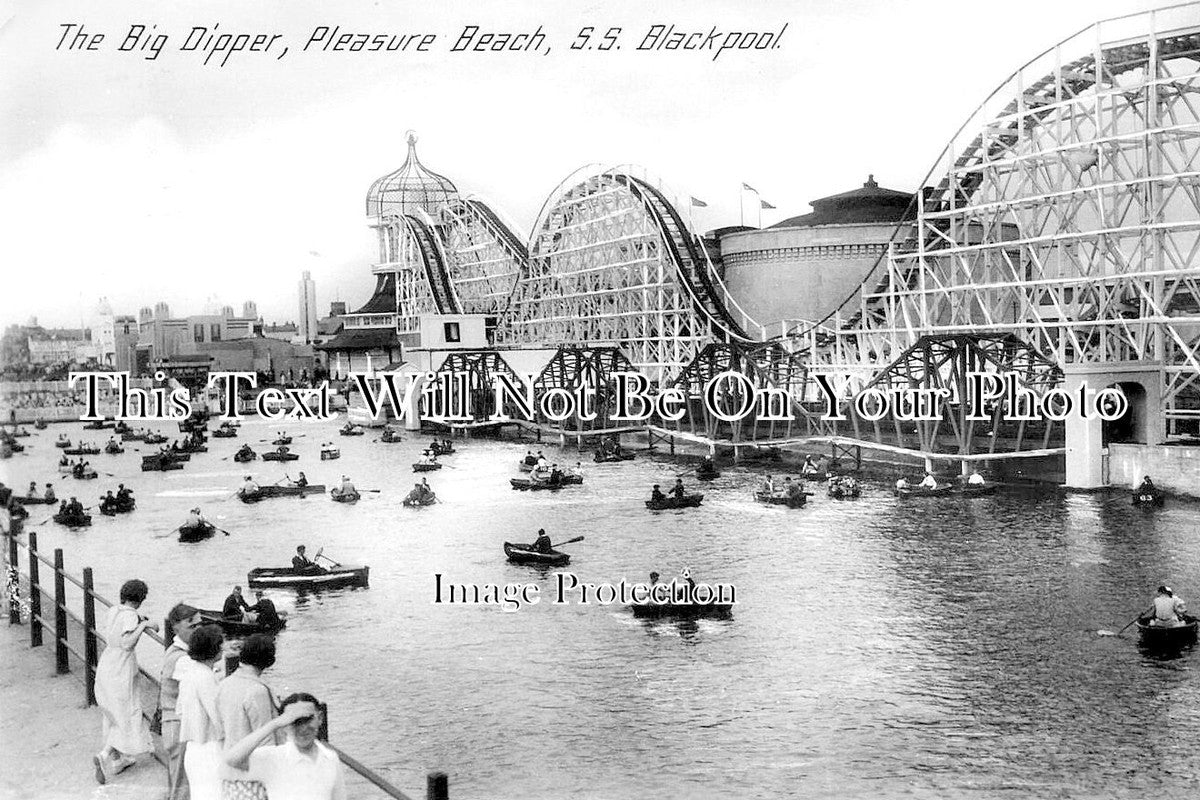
x=223 y=735
x=48 y=496
x=788 y=488
x=121 y=501
x=70 y=509
x=421 y=494
x=931 y=482
x=344 y=487
x=677 y=491
x=262 y=612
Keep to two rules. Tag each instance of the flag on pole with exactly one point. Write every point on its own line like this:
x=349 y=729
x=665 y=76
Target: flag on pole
x=698 y=203
x=766 y=205
x=749 y=188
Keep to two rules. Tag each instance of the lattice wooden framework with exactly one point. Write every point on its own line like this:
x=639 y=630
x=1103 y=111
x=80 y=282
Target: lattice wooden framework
x=1066 y=212
x=484 y=256
x=613 y=263
x=480 y=368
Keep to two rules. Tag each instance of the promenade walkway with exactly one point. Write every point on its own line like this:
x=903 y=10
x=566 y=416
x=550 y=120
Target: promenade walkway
x=48 y=736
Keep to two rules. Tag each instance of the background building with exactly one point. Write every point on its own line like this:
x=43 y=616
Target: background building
x=804 y=267
x=308 y=309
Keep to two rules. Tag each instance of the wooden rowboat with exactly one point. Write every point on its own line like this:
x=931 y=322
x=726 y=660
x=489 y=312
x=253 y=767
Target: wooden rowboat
x=413 y=502
x=680 y=610
x=196 y=533
x=236 y=628
x=978 y=489
x=1163 y=638
x=351 y=432
x=76 y=521
x=286 y=577
x=795 y=501
x=242 y=456
x=425 y=467
x=264 y=492
x=921 y=491
x=282 y=440
x=275 y=455
x=330 y=453
x=225 y=433
x=1149 y=498
x=33 y=501
x=344 y=497
x=687 y=501
x=82 y=451
x=525 y=554
x=612 y=458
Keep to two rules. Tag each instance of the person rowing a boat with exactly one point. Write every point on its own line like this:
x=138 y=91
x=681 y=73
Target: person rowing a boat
x=33 y=490
x=530 y=458
x=64 y=461
x=123 y=494
x=74 y=508
x=1168 y=610
x=928 y=482
x=108 y=502
x=245 y=451
x=236 y=607
x=902 y=483
x=249 y=487
x=302 y=563
x=49 y=493
x=767 y=487
x=707 y=467
x=346 y=486
x=1147 y=487
x=656 y=495
x=576 y=471
x=195 y=519
x=301 y=482
x=810 y=466
x=264 y=610
x=975 y=479
x=677 y=490
x=543 y=544
x=793 y=491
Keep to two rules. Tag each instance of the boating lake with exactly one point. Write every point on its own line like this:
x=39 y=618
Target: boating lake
x=929 y=648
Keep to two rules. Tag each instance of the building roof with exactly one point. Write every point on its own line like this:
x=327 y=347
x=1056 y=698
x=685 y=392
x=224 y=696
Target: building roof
x=362 y=339
x=287 y=327
x=869 y=204
x=328 y=326
x=409 y=188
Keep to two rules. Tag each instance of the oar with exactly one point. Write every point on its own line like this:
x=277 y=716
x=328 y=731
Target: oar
x=1135 y=619
x=327 y=558
x=568 y=541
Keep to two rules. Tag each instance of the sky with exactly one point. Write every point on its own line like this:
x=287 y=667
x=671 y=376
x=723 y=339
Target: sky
x=142 y=176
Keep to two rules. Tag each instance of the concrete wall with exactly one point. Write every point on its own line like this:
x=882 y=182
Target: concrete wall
x=799 y=273
x=1174 y=468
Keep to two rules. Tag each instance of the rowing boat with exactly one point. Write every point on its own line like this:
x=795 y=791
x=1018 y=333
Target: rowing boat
x=1161 y=637
x=275 y=455
x=330 y=453
x=344 y=497
x=924 y=491
x=286 y=577
x=978 y=489
x=196 y=533
x=793 y=501
x=687 y=501
x=425 y=467
x=680 y=610
x=417 y=502
x=82 y=451
x=73 y=521
x=612 y=458
x=242 y=456
x=264 y=492
x=525 y=554
x=238 y=628
x=1149 y=497
x=33 y=501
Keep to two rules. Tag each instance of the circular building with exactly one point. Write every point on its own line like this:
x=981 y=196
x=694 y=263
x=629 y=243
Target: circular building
x=804 y=267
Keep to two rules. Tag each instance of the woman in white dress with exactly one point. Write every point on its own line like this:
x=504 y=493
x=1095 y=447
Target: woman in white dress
x=199 y=718
x=126 y=733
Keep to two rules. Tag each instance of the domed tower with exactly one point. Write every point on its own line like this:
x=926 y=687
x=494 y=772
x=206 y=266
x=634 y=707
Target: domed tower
x=409 y=188
x=411 y=274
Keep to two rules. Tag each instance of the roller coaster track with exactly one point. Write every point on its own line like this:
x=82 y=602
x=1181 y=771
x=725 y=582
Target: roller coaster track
x=435 y=267
x=688 y=256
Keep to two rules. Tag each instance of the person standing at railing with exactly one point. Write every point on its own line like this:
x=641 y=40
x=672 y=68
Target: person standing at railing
x=246 y=704
x=199 y=720
x=126 y=734
x=181 y=621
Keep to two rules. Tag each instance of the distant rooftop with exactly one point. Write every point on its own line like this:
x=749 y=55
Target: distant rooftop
x=871 y=203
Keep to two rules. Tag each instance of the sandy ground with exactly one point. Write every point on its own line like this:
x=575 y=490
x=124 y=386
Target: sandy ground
x=48 y=735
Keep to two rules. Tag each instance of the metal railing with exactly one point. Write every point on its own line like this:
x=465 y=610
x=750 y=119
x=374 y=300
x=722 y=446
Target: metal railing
x=40 y=622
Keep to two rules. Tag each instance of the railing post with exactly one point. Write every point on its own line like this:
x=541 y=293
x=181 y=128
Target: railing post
x=437 y=786
x=35 y=594
x=14 y=572
x=323 y=731
x=91 y=657
x=62 y=666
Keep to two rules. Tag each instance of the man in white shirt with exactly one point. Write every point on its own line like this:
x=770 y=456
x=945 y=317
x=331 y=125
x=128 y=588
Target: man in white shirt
x=302 y=769
x=929 y=482
x=975 y=479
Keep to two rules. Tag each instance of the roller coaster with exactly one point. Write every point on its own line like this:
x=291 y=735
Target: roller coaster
x=1059 y=227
